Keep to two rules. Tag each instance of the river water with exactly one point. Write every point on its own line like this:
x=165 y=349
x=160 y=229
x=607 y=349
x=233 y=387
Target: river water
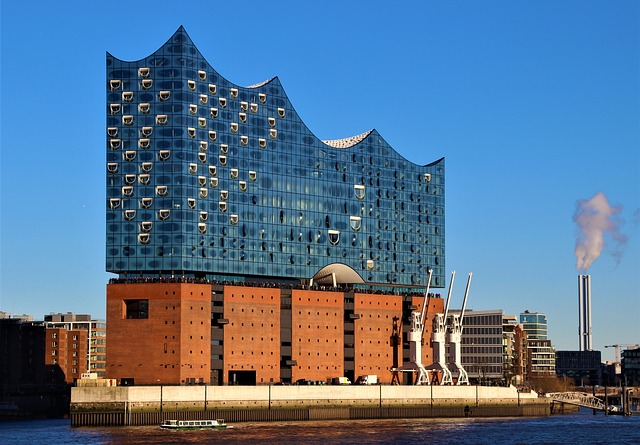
x=582 y=428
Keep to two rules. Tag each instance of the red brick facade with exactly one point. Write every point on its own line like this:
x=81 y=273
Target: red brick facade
x=66 y=350
x=170 y=343
x=178 y=333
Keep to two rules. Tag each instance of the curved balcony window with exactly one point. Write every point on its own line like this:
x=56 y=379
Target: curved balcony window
x=127 y=119
x=370 y=265
x=129 y=155
x=191 y=203
x=143 y=72
x=213 y=89
x=262 y=143
x=213 y=182
x=146 y=166
x=112 y=167
x=224 y=148
x=244 y=106
x=164 y=95
x=114 y=203
x=114 y=144
x=127 y=190
x=252 y=175
x=129 y=214
x=115 y=108
x=355 y=222
x=162 y=190
x=145 y=203
x=202 y=180
x=143 y=238
x=191 y=132
x=204 y=145
x=234 y=127
x=145 y=226
x=273 y=133
x=234 y=173
x=223 y=102
x=203 y=193
x=272 y=121
x=254 y=108
x=204 y=99
x=127 y=96
x=202 y=122
x=243 y=186
x=144 y=143
x=213 y=170
x=262 y=97
x=115 y=84
x=203 y=216
x=144 y=179
x=222 y=160
x=161 y=119
x=193 y=168
x=334 y=237
x=213 y=135
x=191 y=84
x=281 y=112
x=202 y=228
x=146 y=131
x=129 y=179
x=213 y=112
x=233 y=92
x=144 y=108
x=359 y=191
x=193 y=109
x=243 y=117
x=147 y=84
x=233 y=219
x=202 y=157
x=164 y=154
x=112 y=132
x=427 y=177
x=202 y=75
x=244 y=140
x=222 y=206
x=164 y=214
x=224 y=194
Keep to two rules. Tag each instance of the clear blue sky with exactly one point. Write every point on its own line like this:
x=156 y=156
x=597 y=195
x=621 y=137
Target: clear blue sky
x=535 y=105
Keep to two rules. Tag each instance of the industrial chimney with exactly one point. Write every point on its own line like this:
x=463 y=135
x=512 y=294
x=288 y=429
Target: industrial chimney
x=584 y=304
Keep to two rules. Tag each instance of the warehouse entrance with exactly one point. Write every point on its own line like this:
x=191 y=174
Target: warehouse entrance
x=246 y=378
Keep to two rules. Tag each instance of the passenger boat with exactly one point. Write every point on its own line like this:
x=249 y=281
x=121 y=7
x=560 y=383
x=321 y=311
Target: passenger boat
x=194 y=424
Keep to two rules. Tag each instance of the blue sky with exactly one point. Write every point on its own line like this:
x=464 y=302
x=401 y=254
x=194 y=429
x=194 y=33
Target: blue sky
x=534 y=105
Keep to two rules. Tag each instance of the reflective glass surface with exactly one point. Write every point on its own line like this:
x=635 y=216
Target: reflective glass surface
x=211 y=179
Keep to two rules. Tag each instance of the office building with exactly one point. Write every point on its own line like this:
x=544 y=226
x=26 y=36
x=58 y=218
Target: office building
x=541 y=355
x=248 y=250
x=583 y=367
x=95 y=352
x=482 y=351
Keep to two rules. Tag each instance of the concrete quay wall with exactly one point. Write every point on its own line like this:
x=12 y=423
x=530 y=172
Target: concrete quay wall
x=139 y=405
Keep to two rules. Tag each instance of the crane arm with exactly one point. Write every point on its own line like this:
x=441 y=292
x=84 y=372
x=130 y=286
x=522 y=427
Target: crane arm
x=425 y=303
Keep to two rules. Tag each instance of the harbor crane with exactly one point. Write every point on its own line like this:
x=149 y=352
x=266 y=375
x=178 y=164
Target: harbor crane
x=438 y=342
x=454 y=335
x=414 y=336
x=618 y=346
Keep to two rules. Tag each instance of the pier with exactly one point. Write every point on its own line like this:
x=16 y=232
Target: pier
x=150 y=405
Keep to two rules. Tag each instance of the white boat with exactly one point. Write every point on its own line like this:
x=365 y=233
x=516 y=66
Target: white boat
x=217 y=424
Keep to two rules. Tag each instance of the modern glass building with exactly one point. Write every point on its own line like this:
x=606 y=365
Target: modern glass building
x=534 y=324
x=209 y=179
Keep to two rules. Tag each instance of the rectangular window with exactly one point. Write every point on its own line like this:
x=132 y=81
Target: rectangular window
x=136 y=309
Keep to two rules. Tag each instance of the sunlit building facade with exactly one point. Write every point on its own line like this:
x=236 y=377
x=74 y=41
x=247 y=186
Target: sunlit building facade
x=212 y=183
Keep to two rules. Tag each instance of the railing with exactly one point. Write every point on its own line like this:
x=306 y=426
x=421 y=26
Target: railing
x=580 y=399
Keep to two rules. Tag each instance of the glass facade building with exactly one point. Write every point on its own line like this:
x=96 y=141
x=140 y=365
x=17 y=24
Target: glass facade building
x=209 y=179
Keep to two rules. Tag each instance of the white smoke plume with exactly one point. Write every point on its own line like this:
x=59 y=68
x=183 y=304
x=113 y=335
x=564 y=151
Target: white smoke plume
x=595 y=219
